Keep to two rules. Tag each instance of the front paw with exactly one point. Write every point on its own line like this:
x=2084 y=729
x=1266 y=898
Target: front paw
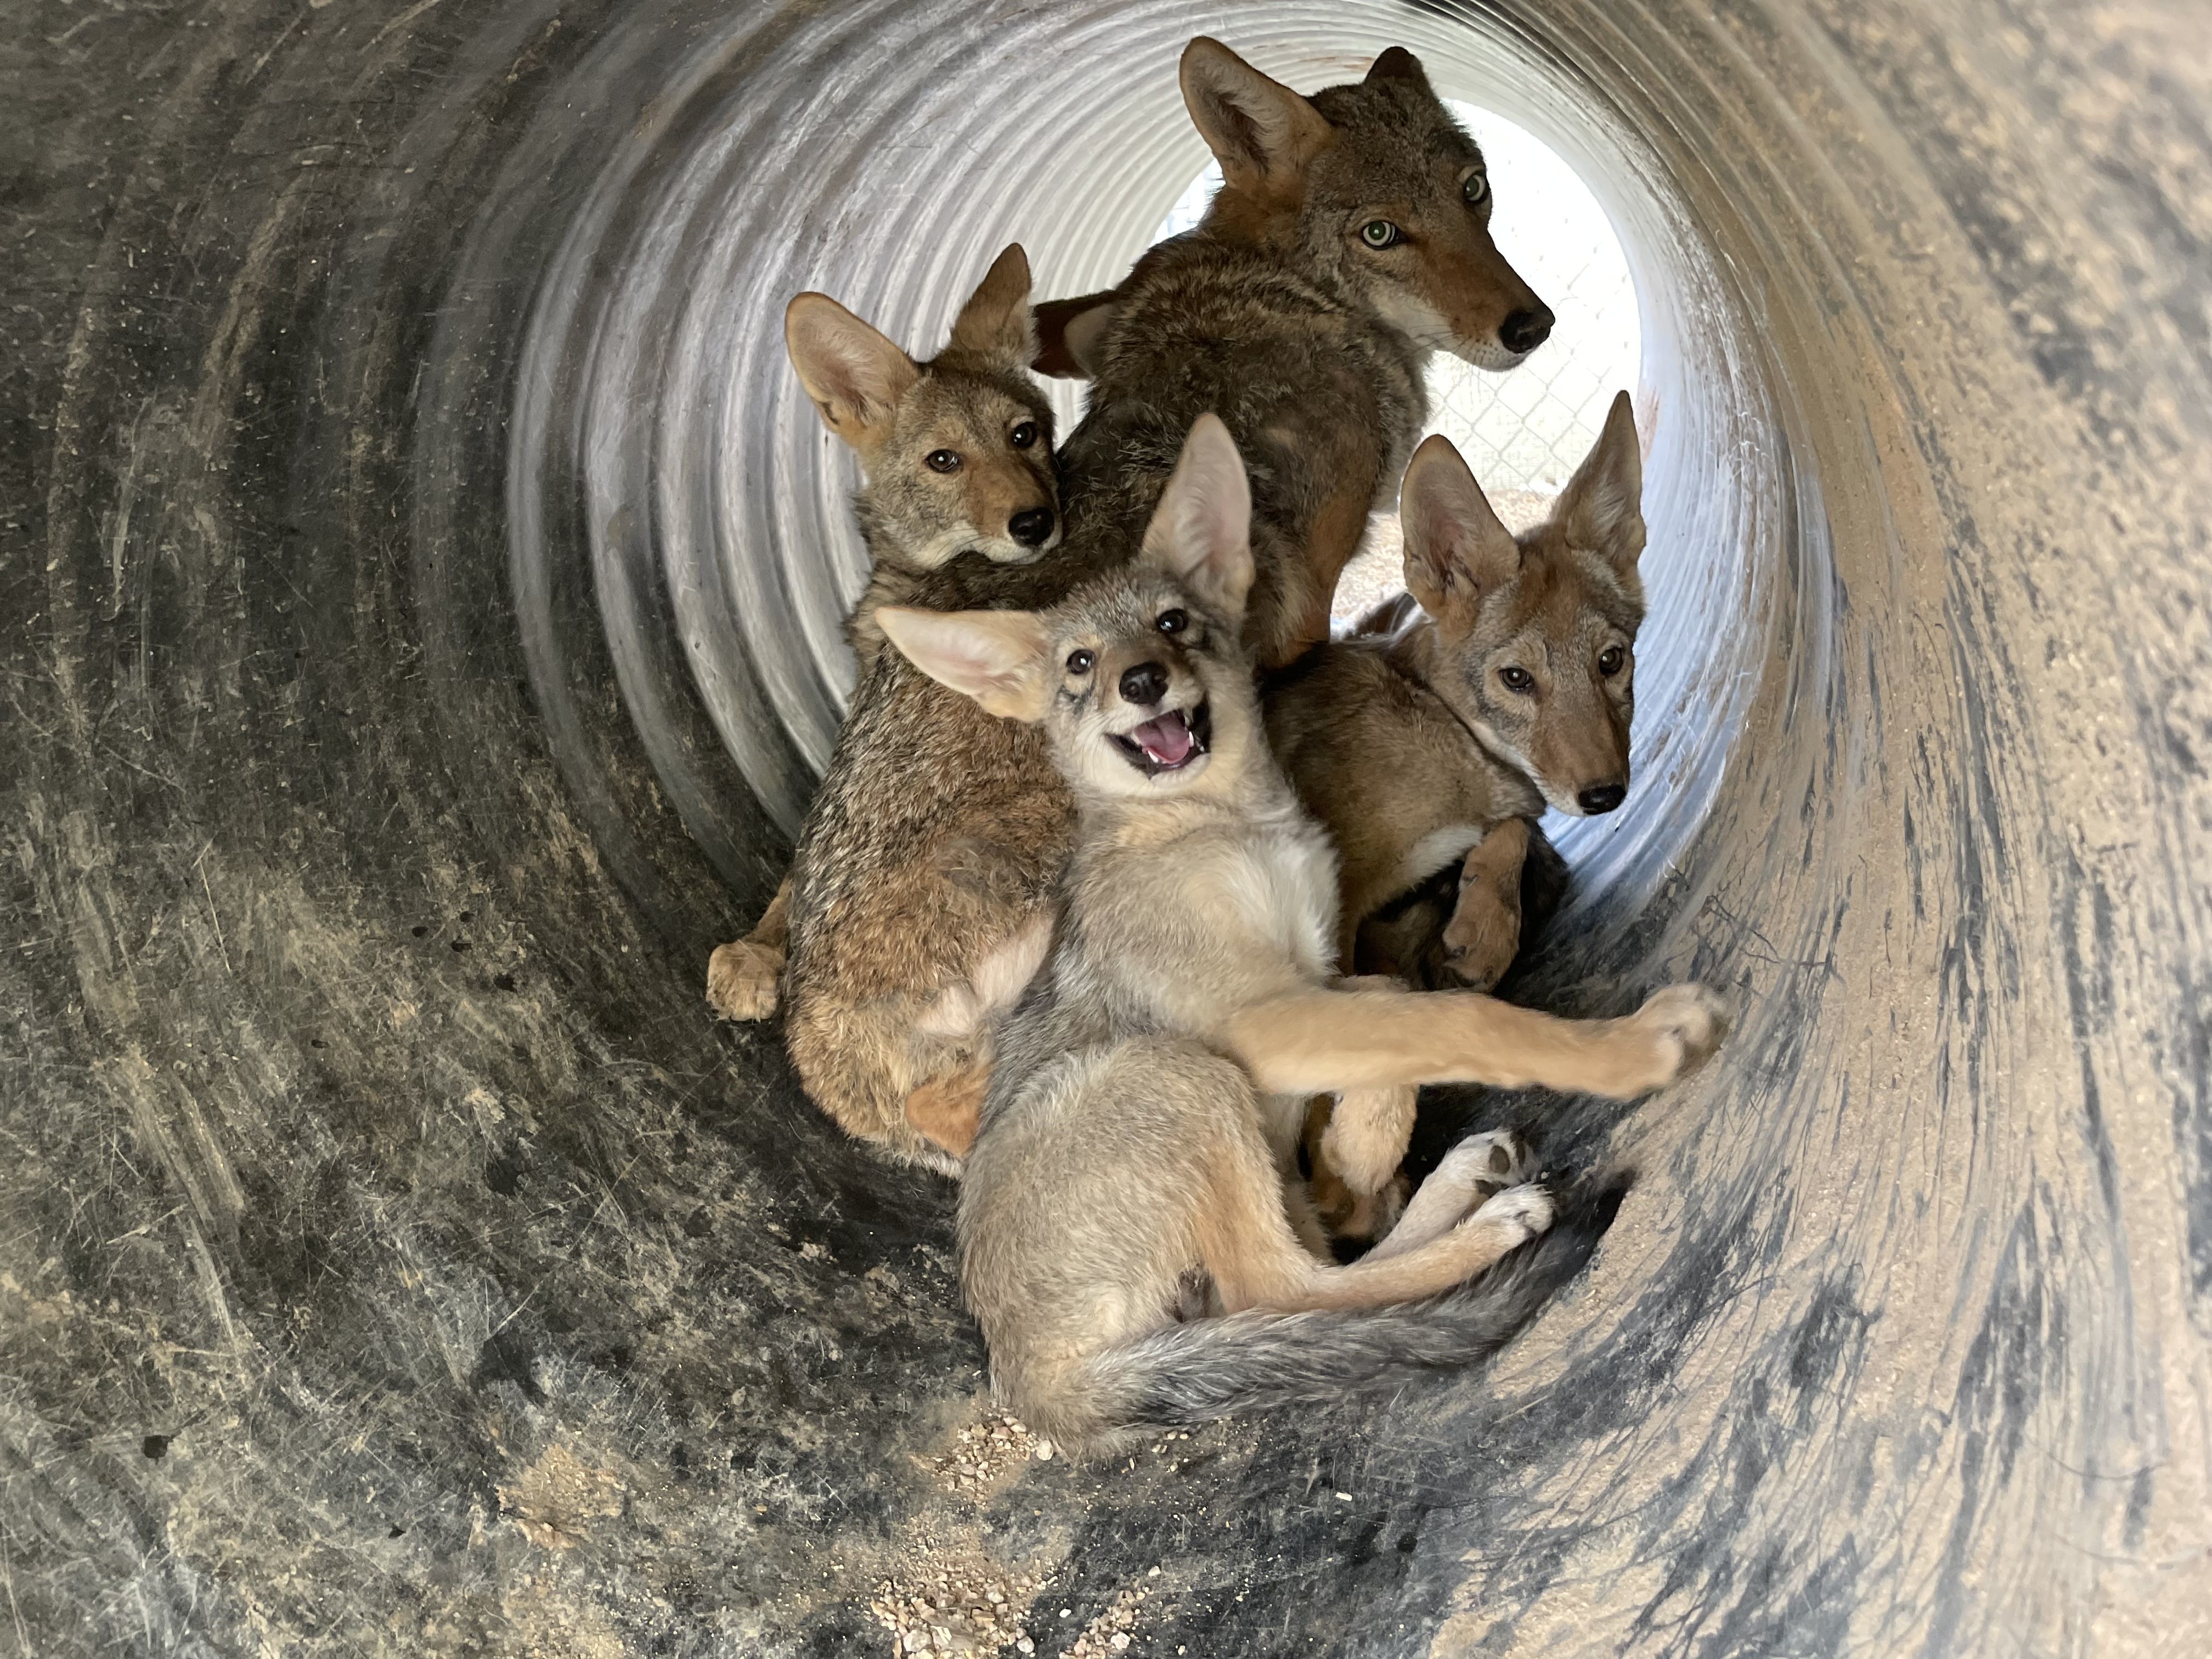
x=1682 y=1024
x=1484 y=933
x=1479 y=943
x=1367 y=1138
x=741 y=979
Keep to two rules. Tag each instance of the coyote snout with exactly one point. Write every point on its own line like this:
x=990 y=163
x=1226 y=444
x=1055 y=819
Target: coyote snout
x=1172 y=740
x=1579 y=751
x=988 y=484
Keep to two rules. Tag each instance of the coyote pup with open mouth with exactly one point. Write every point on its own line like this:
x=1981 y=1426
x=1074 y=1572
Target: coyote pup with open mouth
x=1137 y=1141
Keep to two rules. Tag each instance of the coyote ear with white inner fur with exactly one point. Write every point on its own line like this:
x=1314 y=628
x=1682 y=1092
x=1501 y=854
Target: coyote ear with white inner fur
x=1601 y=508
x=1456 y=550
x=996 y=657
x=1201 y=533
x=854 y=374
x=995 y=322
x=1261 y=132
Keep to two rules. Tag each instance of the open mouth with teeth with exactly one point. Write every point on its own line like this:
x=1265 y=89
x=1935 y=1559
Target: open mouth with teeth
x=1170 y=743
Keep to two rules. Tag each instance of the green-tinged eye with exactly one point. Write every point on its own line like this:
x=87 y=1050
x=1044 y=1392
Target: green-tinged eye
x=1612 y=660
x=1023 y=436
x=1517 y=679
x=1475 y=187
x=1381 y=232
x=1078 y=662
x=942 y=461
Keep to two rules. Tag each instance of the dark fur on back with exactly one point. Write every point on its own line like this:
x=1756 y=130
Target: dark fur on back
x=1323 y=398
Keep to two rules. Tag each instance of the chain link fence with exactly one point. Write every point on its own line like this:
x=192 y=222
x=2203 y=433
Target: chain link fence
x=1529 y=430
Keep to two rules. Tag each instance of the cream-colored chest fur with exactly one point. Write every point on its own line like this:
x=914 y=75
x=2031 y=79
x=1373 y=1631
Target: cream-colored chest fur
x=1238 y=907
x=1275 y=884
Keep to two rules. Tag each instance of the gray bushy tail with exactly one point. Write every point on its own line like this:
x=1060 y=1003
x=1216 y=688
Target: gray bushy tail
x=1251 y=1361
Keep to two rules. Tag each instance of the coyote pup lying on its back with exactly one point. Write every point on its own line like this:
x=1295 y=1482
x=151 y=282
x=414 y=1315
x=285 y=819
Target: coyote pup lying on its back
x=1141 y=1120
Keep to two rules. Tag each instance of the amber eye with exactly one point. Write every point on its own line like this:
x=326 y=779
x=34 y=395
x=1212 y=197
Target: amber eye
x=1381 y=232
x=1517 y=679
x=942 y=461
x=1078 y=662
x=1023 y=436
x=1474 y=187
x=1172 y=621
x=1612 y=660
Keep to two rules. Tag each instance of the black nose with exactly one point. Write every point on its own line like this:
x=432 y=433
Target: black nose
x=1147 y=683
x=1524 y=330
x=1602 y=797
x=1031 y=526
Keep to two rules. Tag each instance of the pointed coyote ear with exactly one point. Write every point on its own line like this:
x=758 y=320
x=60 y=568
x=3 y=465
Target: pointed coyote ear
x=996 y=657
x=1456 y=550
x=1399 y=65
x=1263 y=134
x=996 y=322
x=853 y=374
x=1201 y=533
x=1069 y=332
x=1601 y=509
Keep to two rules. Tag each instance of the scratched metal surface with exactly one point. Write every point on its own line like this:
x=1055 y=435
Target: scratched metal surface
x=420 y=577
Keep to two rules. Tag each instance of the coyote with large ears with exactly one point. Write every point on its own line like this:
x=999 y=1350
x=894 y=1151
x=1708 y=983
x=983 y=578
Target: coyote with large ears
x=956 y=455
x=1140 y=1132
x=1501 y=682
x=1350 y=239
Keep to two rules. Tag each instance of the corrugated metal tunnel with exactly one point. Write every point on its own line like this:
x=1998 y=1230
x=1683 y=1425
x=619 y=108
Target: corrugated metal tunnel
x=422 y=575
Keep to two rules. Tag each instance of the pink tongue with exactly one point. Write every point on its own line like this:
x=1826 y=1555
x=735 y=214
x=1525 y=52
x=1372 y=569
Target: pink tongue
x=1166 y=740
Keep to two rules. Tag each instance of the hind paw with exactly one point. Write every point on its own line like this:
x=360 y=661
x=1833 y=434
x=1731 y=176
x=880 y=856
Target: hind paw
x=1484 y=933
x=1483 y=1165
x=741 y=979
x=1524 y=1211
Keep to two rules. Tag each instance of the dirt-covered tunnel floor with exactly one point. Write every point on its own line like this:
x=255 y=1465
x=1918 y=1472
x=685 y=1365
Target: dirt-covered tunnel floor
x=418 y=578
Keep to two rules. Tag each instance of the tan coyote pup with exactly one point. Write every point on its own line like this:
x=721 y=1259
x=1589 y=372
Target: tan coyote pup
x=957 y=460
x=1140 y=1132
